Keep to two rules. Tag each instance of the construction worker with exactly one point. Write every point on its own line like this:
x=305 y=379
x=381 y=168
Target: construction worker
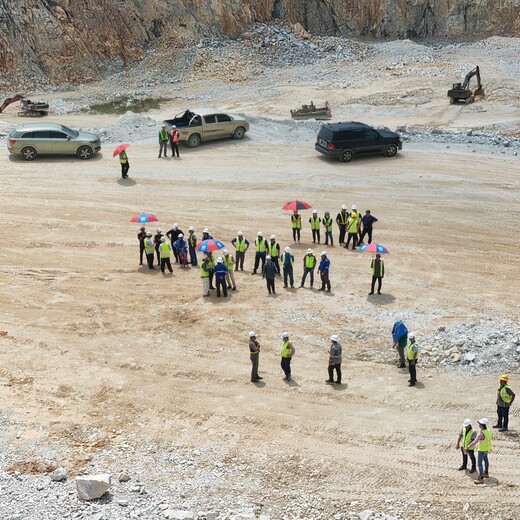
x=269 y=273
x=174 y=140
x=368 y=221
x=261 y=247
x=149 y=249
x=204 y=274
x=296 y=225
x=505 y=399
x=483 y=443
x=173 y=235
x=378 y=273
x=324 y=269
x=163 y=141
x=466 y=436
x=241 y=246
x=288 y=267
x=273 y=250
x=181 y=247
x=327 y=225
x=400 y=339
x=211 y=268
x=287 y=352
x=206 y=235
x=192 y=244
x=352 y=228
x=229 y=262
x=341 y=221
x=254 y=355
x=220 y=275
x=157 y=243
x=335 y=359
x=315 y=222
x=412 y=354
x=141 y=237
x=125 y=165
x=309 y=264
x=164 y=250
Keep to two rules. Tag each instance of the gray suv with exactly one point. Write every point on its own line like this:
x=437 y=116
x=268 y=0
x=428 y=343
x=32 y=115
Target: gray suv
x=33 y=139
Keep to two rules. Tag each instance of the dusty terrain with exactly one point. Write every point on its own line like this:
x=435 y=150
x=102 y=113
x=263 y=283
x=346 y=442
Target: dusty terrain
x=106 y=366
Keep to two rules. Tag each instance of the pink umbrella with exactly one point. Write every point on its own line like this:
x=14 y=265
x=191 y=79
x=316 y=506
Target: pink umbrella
x=119 y=149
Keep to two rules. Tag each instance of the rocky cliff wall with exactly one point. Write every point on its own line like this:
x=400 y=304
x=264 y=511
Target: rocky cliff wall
x=71 y=40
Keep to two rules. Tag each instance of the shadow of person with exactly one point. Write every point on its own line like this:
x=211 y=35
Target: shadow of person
x=419 y=385
x=292 y=383
x=380 y=299
x=259 y=384
x=126 y=182
x=342 y=386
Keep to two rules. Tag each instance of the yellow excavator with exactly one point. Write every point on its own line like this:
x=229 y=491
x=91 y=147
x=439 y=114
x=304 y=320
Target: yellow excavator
x=461 y=91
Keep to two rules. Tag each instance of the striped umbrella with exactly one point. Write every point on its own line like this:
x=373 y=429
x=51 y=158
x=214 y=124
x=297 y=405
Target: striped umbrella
x=144 y=217
x=296 y=205
x=374 y=248
x=209 y=245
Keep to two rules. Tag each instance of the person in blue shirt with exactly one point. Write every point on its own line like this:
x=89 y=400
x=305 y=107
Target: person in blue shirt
x=400 y=339
x=323 y=269
x=368 y=221
x=287 y=260
x=220 y=271
x=181 y=246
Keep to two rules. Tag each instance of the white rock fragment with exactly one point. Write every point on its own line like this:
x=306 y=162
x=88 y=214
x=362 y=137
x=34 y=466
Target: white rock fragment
x=93 y=486
x=58 y=474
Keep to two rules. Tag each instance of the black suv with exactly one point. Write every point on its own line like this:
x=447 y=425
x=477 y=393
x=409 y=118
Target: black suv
x=344 y=140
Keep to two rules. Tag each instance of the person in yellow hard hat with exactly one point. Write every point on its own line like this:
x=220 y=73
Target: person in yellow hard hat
x=505 y=399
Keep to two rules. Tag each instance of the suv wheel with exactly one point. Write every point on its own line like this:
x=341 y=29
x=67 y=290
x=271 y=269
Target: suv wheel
x=391 y=150
x=85 y=152
x=194 y=141
x=346 y=156
x=239 y=132
x=29 y=154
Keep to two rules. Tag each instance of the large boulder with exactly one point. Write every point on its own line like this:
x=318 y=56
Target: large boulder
x=93 y=486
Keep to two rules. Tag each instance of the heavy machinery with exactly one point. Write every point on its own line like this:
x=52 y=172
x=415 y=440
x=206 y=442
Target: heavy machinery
x=10 y=100
x=312 y=112
x=27 y=108
x=462 y=92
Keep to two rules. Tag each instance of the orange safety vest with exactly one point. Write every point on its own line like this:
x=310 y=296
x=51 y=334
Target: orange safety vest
x=175 y=136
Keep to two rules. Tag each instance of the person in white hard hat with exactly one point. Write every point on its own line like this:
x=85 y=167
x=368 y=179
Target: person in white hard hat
x=164 y=251
x=483 y=443
x=323 y=269
x=163 y=141
x=288 y=267
x=273 y=250
x=173 y=235
x=466 y=436
x=261 y=248
x=335 y=359
x=206 y=235
x=309 y=264
x=269 y=273
x=157 y=243
x=220 y=277
x=149 y=249
x=204 y=274
x=315 y=223
x=229 y=262
x=181 y=247
x=341 y=221
x=254 y=355
x=192 y=244
x=287 y=352
x=353 y=225
x=241 y=246
x=174 y=140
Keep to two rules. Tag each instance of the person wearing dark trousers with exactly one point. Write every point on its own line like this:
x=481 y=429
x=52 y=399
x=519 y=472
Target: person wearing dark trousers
x=288 y=267
x=335 y=359
x=286 y=353
x=125 y=164
x=505 y=399
x=141 y=237
x=378 y=273
x=315 y=222
x=327 y=225
x=163 y=141
x=309 y=264
x=341 y=221
x=173 y=235
x=412 y=354
x=157 y=243
x=466 y=436
x=261 y=247
x=164 y=250
x=323 y=269
x=241 y=246
x=400 y=339
x=192 y=244
x=174 y=141
x=483 y=443
x=352 y=230
x=149 y=249
x=368 y=221
x=273 y=250
x=211 y=269
x=254 y=355
x=296 y=225
x=269 y=273
x=220 y=275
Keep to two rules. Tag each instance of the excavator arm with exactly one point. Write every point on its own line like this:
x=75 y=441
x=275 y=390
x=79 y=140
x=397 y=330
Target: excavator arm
x=10 y=100
x=469 y=75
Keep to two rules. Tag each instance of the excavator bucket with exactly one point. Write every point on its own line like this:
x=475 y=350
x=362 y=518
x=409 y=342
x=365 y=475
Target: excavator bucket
x=10 y=100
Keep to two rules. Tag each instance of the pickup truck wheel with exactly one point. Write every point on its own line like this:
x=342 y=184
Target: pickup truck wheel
x=346 y=156
x=391 y=150
x=29 y=154
x=85 y=152
x=193 y=141
x=239 y=132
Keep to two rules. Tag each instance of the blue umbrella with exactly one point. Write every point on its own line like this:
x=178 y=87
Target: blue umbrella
x=206 y=246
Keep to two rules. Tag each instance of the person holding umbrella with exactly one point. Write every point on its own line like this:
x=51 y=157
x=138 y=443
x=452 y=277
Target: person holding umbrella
x=157 y=242
x=296 y=225
x=211 y=267
x=204 y=274
x=378 y=273
x=123 y=159
x=141 y=237
x=192 y=244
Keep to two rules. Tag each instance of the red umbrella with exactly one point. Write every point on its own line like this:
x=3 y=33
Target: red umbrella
x=295 y=205
x=144 y=217
x=119 y=149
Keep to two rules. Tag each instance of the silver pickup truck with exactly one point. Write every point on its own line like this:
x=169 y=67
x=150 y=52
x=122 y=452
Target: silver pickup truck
x=205 y=124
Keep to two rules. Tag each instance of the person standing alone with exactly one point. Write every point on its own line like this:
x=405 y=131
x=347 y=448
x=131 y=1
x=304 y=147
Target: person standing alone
x=335 y=359
x=254 y=355
x=174 y=141
x=378 y=273
x=505 y=399
x=125 y=165
x=287 y=352
x=163 y=141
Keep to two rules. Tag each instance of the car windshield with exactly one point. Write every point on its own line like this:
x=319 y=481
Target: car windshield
x=69 y=131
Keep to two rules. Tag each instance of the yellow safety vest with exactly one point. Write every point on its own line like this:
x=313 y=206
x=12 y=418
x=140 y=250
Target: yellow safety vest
x=504 y=395
x=273 y=249
x=191 y=240
x=310 y=261
x=148 y=245
x=123 y=158
x=315 y=223
x=260 y=245
x=352 y=227
x=485 y=444
x=342 y=217
x=240 y=245
x=163 y=135
x=327 y=222
x=381 y=264
x=296 y=221
x=286 y=351
x=410 y=352
x=211 y=262
x=228 y=262
x=165 y=250
x=203 y=274
x=466 y=439
x=283 y=260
